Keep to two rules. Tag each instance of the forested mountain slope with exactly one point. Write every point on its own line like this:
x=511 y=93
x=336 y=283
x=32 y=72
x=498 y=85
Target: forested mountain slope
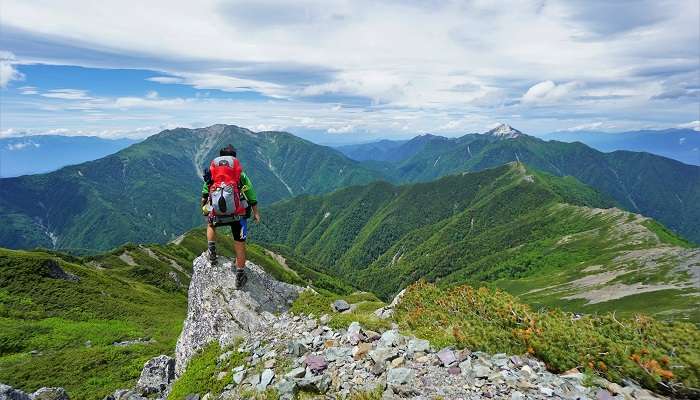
x=150 y=191
x=654 y=186
x=497 y=225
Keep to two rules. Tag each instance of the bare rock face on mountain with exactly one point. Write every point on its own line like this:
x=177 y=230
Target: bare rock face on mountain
x=217 y=311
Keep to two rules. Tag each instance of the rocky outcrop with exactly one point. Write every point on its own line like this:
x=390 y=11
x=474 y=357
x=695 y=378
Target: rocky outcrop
x=9 y=393
x=217 y=311
x=340 y=362
x=156 y=376
x=291 y=353
x=45 y=393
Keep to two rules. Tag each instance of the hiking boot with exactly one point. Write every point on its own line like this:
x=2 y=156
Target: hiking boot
x=241 y=278
x=211 y=254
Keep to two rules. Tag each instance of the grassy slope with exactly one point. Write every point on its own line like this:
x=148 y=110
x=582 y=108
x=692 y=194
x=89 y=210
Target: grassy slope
x=132 y=292
x=503 y=225
x=57 y=318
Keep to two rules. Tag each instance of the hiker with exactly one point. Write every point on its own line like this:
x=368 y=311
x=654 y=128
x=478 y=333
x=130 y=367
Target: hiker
x=228 y=199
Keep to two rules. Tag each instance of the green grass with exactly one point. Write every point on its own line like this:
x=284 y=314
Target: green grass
x=57 y=318
x=666 y=236
x=202 y=372
x=318 y=304
x=642 y=348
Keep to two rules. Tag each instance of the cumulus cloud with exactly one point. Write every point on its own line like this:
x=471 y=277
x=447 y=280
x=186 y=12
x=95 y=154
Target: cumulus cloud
x=341 y=129
x=467 y=58
x=8 y=72
x=695 y=125
x=547 y=92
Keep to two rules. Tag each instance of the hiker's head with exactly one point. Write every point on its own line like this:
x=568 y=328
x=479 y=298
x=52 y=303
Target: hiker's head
x=228 y=151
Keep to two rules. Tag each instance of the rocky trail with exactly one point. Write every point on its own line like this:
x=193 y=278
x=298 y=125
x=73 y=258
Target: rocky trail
x=287 y=354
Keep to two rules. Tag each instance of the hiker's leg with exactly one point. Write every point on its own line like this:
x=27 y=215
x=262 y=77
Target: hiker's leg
x=240 y=254
x=211 y=233
x=211 y=243
x=239 y=229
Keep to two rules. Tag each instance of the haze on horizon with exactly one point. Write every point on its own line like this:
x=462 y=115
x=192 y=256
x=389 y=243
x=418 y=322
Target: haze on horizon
x=347 y=71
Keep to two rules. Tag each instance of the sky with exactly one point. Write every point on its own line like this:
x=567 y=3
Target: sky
x=344 y=71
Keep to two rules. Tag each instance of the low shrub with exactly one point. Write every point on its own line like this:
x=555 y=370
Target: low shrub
x=660 y=356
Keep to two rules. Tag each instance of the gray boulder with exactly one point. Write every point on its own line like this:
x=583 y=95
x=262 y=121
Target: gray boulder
x=418 y=345
x=400 y=376
x=265 y=379
x=123 y=394
x=286 y=389
x=9 y=393
x=341 y=305
x=317 y=384
x=156 y=376
x=217 y=311
x=50 y=393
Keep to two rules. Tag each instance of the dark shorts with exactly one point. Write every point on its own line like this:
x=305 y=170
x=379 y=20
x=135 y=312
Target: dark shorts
x=239 y=229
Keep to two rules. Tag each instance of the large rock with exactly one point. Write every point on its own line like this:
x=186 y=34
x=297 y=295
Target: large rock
x=10 y=393
x=217 y=311
x=156 y=376
x=50 y=393
x=400 y=376
x=388 y=311
x=123 y=394
x=341 y=305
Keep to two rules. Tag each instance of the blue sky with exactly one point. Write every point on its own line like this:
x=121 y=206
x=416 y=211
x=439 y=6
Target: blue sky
x=347 y=70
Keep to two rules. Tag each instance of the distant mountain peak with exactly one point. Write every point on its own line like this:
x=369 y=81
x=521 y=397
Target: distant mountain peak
x=504 y=131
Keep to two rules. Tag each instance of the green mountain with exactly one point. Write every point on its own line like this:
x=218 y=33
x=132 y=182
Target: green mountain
x=657 y=187
x=546 y=238
x=150 y=191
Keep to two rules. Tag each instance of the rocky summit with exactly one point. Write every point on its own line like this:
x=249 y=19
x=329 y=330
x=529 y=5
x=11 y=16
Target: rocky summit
x=217 y=311
x=286 y=354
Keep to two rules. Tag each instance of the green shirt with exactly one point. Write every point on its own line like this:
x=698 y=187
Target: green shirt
x=246 y=188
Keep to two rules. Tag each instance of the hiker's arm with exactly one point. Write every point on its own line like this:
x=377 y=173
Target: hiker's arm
x=248 y=190
x=250 y=195
x=205 y=193
x=256 y=214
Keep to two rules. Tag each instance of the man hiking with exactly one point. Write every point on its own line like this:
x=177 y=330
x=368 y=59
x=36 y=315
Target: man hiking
x=228 y=198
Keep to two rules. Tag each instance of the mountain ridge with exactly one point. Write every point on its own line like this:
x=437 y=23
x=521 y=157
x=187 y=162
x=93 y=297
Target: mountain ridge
x=104 y=203
x=503 y=225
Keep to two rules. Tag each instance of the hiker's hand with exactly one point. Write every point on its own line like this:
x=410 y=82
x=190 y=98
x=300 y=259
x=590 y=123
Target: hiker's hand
x=256 y=218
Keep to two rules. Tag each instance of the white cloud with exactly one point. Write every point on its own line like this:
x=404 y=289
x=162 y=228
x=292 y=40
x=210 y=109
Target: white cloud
x=591 y=126
x=695 y=125
x=467 y=58
x=8 y=72
x=28 y=90
x=548 y=92
x=341 y=129
x=21 y=145
x=165 y=79
x=67 y=94
x=147 y=102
